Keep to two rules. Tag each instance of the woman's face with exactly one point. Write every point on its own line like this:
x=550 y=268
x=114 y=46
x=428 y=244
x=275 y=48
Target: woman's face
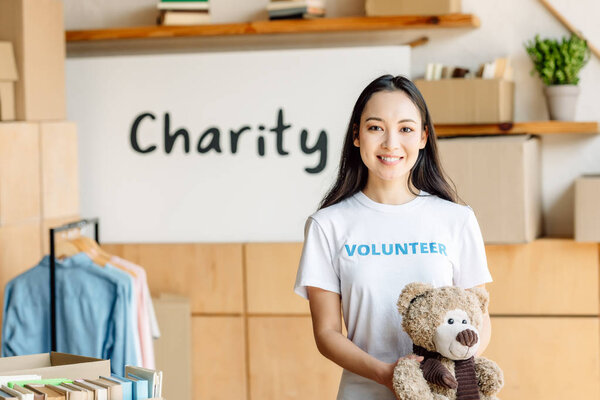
x=390 y=136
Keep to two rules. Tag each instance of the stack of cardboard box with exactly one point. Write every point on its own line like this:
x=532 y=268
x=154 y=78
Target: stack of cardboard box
x=38 y=147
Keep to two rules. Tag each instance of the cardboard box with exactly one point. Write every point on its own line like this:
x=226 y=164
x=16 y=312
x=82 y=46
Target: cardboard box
x=8 y=76
x=499 y=177
x=35 y=28
x=20 y=194
x=587 y=210
x=59 y=166
x=468 y=101
x=173 y=350
x=55 y=365
x=411 y=7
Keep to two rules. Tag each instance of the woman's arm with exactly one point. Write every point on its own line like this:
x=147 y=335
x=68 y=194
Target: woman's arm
x=486 y=331
x=327 y=328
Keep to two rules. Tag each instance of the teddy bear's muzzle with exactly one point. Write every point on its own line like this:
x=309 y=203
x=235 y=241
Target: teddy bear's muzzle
x=468 y=337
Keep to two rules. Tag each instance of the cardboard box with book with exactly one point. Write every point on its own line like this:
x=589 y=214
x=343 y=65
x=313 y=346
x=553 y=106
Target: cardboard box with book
x=457 y=95
x=61 y=376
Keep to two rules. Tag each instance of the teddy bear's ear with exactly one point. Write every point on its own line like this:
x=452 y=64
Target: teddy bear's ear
x=482 y=296
x=410 y=292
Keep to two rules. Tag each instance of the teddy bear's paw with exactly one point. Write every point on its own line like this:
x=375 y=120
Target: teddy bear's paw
x=409 y=383
x=490 y=377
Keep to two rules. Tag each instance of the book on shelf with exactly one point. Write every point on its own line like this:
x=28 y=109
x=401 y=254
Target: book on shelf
x=170 y=18
x=184 y=5
x=499 y=68
x=286 y=9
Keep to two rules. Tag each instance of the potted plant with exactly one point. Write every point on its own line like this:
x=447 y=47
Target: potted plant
x=558 y=65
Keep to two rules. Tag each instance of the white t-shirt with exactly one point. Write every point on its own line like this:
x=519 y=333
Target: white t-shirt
x=368 y=251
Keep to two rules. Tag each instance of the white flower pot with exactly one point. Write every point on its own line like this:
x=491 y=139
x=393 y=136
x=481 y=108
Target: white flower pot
x=562 y=101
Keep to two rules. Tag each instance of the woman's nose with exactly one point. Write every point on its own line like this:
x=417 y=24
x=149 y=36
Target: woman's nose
x=390 y=142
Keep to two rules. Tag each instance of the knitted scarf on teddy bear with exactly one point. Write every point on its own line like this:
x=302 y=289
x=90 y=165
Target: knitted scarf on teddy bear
x=433 y=371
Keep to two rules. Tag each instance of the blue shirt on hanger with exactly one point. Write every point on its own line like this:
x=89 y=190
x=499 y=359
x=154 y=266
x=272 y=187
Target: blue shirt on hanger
x=93 y=312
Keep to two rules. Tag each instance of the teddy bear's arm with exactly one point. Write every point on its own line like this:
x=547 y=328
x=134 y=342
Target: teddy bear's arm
x=489 y=376
x=409 y=383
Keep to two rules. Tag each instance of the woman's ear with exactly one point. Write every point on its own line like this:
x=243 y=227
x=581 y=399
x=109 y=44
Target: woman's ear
x=424 y=138
x=355 y=135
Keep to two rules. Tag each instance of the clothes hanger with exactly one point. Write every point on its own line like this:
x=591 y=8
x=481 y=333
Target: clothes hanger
x=98 y=255
x=64 y=249
x=91 y=248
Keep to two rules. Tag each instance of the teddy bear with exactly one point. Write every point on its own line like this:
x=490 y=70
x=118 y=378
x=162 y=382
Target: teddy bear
x=443 y=324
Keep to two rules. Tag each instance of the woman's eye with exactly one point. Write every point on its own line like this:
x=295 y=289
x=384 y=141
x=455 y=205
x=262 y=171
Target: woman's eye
x=406 y=130
x=450 y=321
x=375 y=127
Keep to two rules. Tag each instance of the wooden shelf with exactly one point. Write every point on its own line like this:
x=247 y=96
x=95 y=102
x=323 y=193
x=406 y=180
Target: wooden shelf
x=518 y=128
x=344 y=24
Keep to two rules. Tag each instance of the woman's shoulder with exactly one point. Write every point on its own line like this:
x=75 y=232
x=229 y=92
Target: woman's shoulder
x=459 y=212
x=334 y=211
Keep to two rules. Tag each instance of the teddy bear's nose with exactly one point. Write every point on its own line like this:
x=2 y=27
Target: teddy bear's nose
x=468 y=337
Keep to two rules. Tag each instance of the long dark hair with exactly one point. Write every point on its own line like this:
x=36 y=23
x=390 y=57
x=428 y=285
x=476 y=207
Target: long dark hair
x=426 y=174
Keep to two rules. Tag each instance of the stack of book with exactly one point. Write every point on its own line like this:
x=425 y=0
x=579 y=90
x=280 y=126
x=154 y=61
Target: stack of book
x=183 y=12
x=296 y=9
x=500 y=68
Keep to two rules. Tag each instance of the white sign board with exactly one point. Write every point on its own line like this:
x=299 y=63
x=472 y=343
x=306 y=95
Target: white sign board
x=215 y=147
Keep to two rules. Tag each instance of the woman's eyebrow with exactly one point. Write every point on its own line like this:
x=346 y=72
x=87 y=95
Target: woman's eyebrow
x=381 y=119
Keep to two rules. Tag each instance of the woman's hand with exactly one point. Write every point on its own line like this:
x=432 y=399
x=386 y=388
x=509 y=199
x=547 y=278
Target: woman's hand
x=386 y=375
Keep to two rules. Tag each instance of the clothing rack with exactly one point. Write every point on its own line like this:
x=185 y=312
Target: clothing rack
x=66 y=227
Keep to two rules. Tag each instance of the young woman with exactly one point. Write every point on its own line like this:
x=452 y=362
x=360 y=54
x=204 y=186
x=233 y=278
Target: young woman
x=390 y=219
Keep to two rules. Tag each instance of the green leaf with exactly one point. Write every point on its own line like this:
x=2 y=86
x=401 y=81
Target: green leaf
x=558 y=62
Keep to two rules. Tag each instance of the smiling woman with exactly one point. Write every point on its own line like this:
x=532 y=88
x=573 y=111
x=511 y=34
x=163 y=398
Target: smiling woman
x=390 y=219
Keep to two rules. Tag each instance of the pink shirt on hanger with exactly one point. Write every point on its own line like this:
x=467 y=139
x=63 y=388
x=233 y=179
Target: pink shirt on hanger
x=145 y=311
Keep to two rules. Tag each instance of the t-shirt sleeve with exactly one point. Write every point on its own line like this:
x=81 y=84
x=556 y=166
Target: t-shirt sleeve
x=316 y=266
x=470 y=268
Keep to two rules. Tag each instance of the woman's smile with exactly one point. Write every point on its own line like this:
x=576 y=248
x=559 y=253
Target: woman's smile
x=390 y=160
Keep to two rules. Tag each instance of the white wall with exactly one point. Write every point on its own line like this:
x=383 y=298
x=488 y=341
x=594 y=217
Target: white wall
x=217 y=193
x=505 y=26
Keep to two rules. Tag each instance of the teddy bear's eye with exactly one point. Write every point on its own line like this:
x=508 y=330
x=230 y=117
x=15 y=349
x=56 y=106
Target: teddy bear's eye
x=450 y=321
x=464 y=321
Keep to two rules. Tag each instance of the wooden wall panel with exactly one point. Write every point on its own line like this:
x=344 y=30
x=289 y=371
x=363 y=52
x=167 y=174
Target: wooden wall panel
x=548 y=276
x=285 y=363
x=270 y=275
x=547 y=358
x=219 y=358
x=210 y=275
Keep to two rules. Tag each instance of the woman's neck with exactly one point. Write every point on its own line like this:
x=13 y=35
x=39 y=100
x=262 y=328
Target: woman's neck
x=388 y=192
